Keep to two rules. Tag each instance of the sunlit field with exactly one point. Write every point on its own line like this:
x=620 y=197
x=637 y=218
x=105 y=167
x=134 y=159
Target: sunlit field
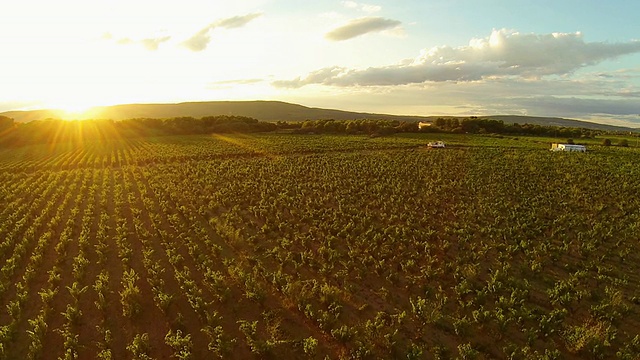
x=311 y=246
x=193 y=180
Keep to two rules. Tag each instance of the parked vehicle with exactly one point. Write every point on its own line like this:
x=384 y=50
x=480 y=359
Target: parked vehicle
x=435 y=144
x=568 y=147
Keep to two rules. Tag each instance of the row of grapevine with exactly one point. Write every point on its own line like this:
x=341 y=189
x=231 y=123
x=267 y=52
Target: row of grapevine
x=310 y=246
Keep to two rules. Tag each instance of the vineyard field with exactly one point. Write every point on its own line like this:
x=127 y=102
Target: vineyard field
x=291 y=246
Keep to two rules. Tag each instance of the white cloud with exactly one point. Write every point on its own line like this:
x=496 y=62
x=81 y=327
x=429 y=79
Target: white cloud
x=584 y=98
x=236 y=21
x=581 y=107
x=350 y=4
x=504 y=53
x=202 y=38
x=199 y=41
x=361 y=26
x=588 y=96
x=368 y=8
x=236 y=82
x=150 y=44
x=18 y=105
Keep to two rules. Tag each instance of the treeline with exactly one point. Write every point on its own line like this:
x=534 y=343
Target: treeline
x=190 y=125
x=6 y=123
x=470 y=125
x=56 y=131
x=474 y=125
x=52 y=131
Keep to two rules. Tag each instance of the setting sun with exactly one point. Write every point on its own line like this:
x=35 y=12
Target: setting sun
x=75 y=111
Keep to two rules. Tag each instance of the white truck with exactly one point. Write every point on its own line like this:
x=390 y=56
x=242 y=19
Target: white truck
x=568 y=147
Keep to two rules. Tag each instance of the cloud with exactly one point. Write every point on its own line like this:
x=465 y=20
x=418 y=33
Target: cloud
x=199 y=41
x=362 y=7
x=236 y=21
x=350 y=4
x=150 y=44
x=237 y=82
x=202 y=38
x=503 y=54
x=361 y=26
x=587 y=99
x=19 y=105
x=581 y=106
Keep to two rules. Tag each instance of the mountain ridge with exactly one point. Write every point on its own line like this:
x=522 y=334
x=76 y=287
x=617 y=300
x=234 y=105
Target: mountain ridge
x=266 y=110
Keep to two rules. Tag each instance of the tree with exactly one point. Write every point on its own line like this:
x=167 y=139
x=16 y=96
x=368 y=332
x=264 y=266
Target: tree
x=623 y=143
x=570 y=141
x=5 y=122
x=606 y=142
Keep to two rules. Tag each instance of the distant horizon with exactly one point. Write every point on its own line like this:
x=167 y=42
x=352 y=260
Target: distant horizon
x=598 y=120
x=92 y=114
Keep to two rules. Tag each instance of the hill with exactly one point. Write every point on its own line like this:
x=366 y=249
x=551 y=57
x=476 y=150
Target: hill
x=554 y=121
x=261 y=110
x=548 y=121
x=270 y=111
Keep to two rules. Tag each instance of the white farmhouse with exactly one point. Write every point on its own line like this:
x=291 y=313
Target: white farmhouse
x=568 y=147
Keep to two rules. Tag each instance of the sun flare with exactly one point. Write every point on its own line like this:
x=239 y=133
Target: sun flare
x=74 y=110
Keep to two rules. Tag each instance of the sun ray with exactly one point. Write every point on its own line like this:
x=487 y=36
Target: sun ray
x=56 y=129
x=244 y=141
